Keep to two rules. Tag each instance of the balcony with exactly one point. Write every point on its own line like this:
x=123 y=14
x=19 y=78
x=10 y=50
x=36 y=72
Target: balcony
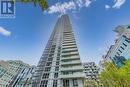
x=68 y=42
x=70 y=53
x=71 y=68
x=71 y=57
x=73 y=62
x=69 y=49
x=72 y=46
x=74 y=75
x=68 y=37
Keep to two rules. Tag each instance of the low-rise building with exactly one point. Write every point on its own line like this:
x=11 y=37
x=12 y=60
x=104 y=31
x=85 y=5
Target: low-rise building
x=91 y=70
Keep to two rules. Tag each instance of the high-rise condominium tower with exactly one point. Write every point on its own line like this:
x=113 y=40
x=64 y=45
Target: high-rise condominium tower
x=60 y=64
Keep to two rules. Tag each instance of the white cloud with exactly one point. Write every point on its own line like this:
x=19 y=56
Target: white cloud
x=82 y=3
x=118 y=3
x=68 y=6
x=74 y=5
x=4 y=32
x=87 y=2
x=107 y=7
x=61 y=8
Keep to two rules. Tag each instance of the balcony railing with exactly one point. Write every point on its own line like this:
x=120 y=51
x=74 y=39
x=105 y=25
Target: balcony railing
x=71 y=62
x=74 y=75
x=69 y=49
x=70 y=57
x=72 y=46
x=71 y=68
x=70 y=53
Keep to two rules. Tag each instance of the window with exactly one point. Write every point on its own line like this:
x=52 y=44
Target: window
x=53 y=48
x=58 y=54
x=48 y=63
x=75 y=83
x=127 y=40
x=56 y=68
x=57 y=63
x=56 y=75
x=44 y=83
x=59 y=48
x=58 y=51
x=47 y=69
x=52 y=51
x=53 y=45
x=50 y=59
x=45 y=76
x=65 y=83
x=55 y=83
x=120 y=51
x=22 y=70
x=128 y=26
x=118 y=54
x=65 y=73
x=124 y=44
x=58 y=58
x=122 y=48
x=51 y=55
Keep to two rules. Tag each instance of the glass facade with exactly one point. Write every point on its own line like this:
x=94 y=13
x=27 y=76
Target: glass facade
x=24 y=78
x=9 y=71
x=120 y=51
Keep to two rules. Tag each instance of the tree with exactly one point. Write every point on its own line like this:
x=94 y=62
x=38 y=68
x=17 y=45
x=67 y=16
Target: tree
x=112 y=76
x=43 y=3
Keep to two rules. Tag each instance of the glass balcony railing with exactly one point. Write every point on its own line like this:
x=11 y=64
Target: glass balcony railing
x=70 y=58
x=68 y=44
x=69 y=40
x=71 y=62
x=69 y=49
x=70 y=53
x=71 y=46
x=74 y=75
x=71 y=68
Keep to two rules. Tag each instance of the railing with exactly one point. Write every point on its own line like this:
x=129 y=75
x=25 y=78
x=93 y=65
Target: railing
x=71 y=68
x=70 y=58
x=70 y=49
x=70 y=62
x=70 y=53
x=74 y=75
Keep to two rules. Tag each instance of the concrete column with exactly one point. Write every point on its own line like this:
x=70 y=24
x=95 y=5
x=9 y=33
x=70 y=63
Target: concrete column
x=80 y=83
x=50 y=82
x=71 y=82
x=59 y=83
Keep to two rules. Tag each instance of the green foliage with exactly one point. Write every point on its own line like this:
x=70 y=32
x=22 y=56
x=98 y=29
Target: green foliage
x=111 y=76
x=43 y=3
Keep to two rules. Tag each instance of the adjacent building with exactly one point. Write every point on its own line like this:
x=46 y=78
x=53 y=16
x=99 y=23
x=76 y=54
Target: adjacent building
x=91 y=70
x=9 y=71
x=24 y=78
x=60 y=64
x=120 y=51
x=5 y=75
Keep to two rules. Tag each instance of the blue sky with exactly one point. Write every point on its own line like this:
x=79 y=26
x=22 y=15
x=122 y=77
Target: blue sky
x=25 y=37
